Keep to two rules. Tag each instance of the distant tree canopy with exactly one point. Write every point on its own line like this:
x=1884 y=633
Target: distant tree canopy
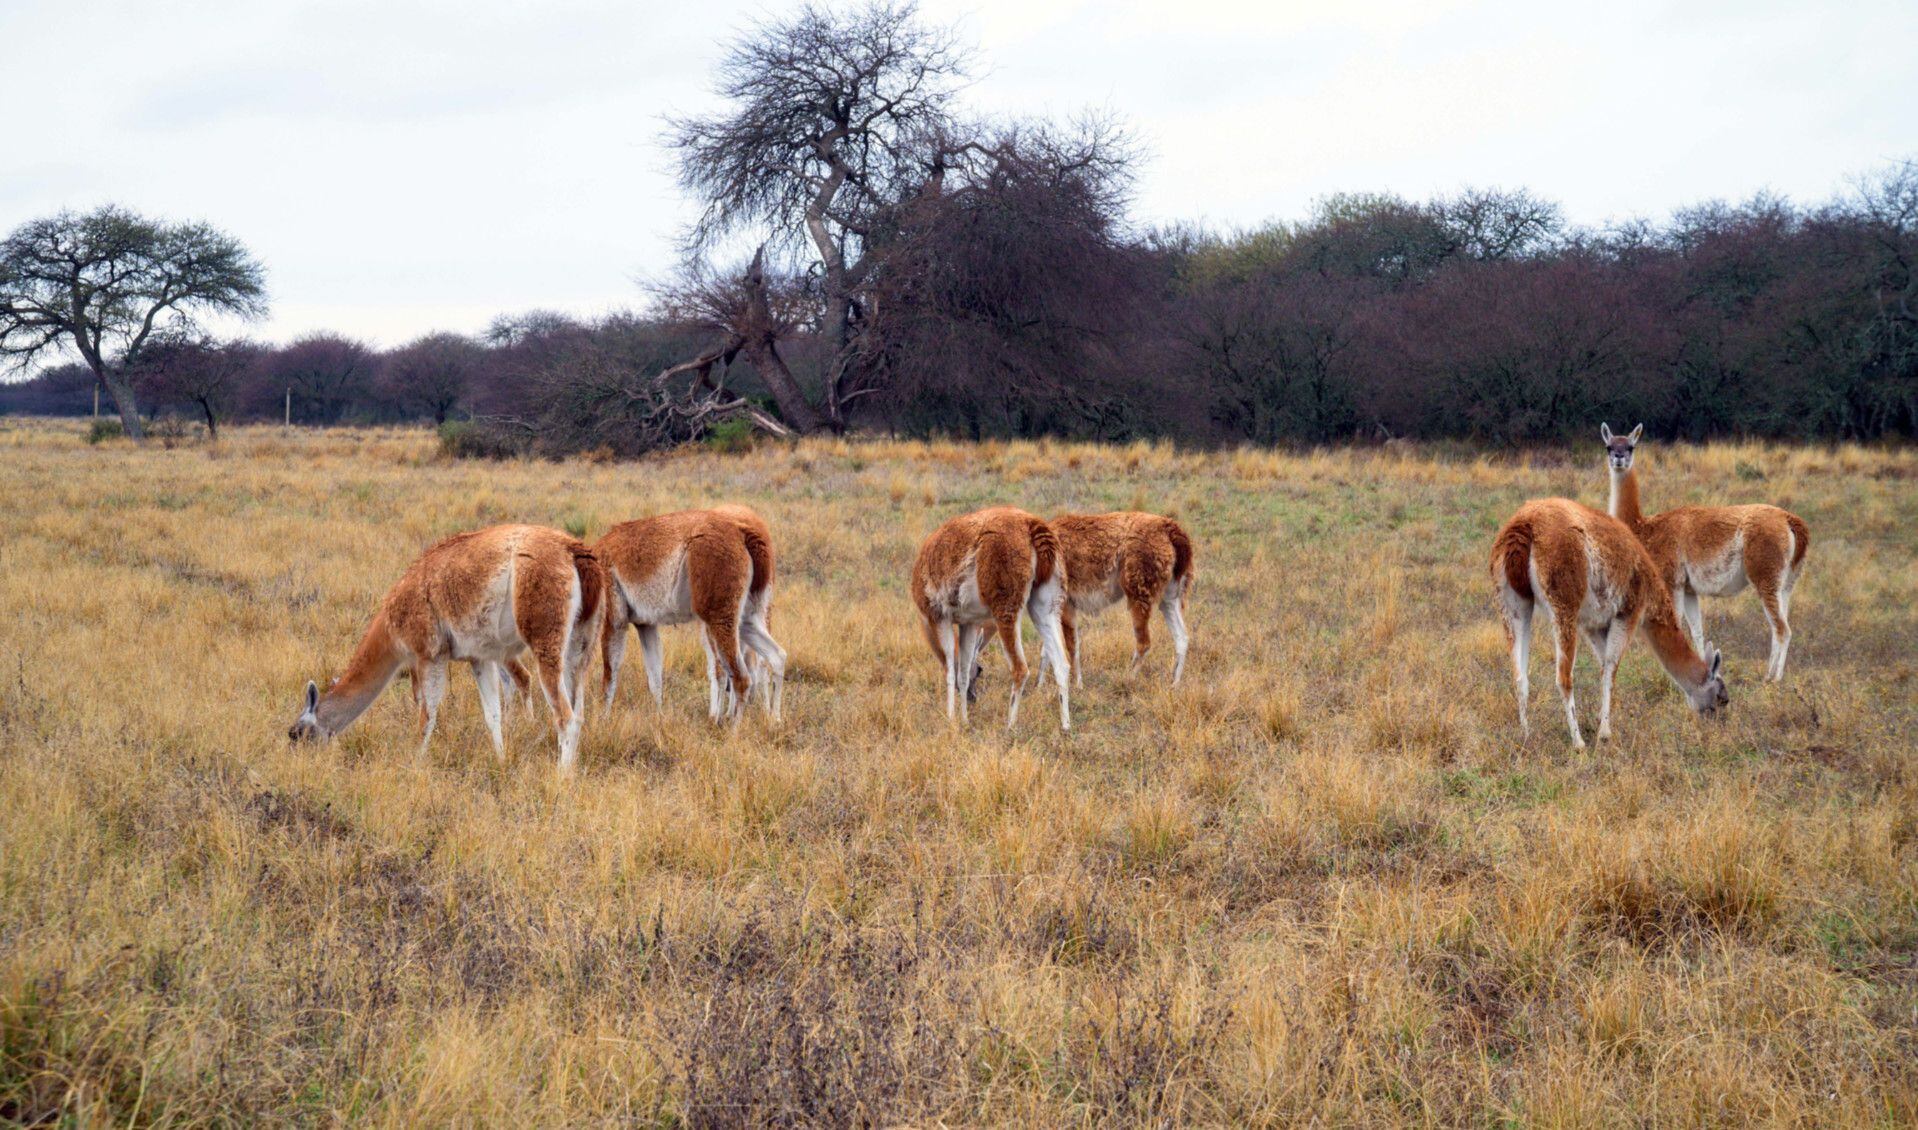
x=1010 y=299
x=431 y=376
x=831 y=119
x=101 y=284
x=199 y=372
x=1486 y=316
x=937 y=260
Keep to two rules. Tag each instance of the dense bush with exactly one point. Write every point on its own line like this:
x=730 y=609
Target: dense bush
x=1484 y=317
x=731 y=437
x=476 y=439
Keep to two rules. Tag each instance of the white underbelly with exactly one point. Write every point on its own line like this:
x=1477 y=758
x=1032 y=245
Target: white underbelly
x=1722 y=575
x=666 y=597
x=490 y=632
x=1597 y=611
x=958 y=600
x=1098 y=600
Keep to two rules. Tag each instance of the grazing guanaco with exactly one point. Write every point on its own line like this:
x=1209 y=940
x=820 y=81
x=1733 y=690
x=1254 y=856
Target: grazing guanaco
x=1594 y=577
x=1714 y=550
x=482 y=597
x=715 y=566
x=1142 y=559
x=975 y=573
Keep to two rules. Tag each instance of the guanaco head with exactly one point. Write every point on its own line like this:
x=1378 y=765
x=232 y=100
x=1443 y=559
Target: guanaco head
x=1710 y=697
x=307 y=728
x=1618 y=449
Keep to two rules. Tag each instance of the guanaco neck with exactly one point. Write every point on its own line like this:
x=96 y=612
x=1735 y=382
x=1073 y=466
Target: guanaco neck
x=1671 y=644
x=374 y=663
x=1624 y=502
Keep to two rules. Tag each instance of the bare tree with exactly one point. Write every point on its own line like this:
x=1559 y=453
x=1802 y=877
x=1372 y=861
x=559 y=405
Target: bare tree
x=1273 y=350
x=749 y=313
x=1499 y=223
x=430 y=376
x=193 y=370
x=104 y=282
x=1887 y=204
x=827 y=112
x=509 y=330
x=590 y=391
x=1005 y=295
x=327 y=375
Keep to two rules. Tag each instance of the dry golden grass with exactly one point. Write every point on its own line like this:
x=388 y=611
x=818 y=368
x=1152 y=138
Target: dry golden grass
x=1323 y=880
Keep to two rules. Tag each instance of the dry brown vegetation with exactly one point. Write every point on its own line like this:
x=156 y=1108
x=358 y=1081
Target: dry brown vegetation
x=1323 y=879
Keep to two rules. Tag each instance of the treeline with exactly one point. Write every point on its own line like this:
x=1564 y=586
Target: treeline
x=1486 y=316
x=1482 y=316
x=328 y=379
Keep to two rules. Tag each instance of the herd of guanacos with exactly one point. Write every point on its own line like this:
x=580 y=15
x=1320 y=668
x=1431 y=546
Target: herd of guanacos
x=487 y=597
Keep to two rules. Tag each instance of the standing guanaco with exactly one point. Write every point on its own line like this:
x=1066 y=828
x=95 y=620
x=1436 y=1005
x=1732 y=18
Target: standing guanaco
x=1714 y=550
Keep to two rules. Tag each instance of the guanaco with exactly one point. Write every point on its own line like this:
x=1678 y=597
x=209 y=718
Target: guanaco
x=976 y=572
x=1714 y=550
x=1594 y=577
x=714 y=566
x=483 y=597
x=1142 y=559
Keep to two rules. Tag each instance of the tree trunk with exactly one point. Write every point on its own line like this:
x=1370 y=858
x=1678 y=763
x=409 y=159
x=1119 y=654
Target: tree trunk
x=838 y=336
x=758 y=339
x=780 y=381
x=117 y=385
x=832 y=257
x=212 y=425
x=123 y=399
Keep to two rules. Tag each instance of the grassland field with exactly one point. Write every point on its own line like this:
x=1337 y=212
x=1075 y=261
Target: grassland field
x=1323 y=881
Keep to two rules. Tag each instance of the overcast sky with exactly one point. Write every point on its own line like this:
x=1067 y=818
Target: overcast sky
x=403 y=166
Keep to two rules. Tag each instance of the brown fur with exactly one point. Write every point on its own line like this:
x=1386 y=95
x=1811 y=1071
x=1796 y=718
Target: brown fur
x=1181 y=555
x=1714 y=550
x=1689 y=535
x=1045 y=550
x=1143 y=559
x=522 y=679
x=592 y=580
x=1579 y=561
x=759 y=541
x=1801 y=538
x=1010 y=554
x=438 y=611
x=1512 y=551
x=727 y=557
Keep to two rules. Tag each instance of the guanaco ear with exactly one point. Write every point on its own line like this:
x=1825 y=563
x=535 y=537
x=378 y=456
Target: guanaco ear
x=312 y=695
x=1605 y=432
x=1636 y=432
x=1718 y=660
